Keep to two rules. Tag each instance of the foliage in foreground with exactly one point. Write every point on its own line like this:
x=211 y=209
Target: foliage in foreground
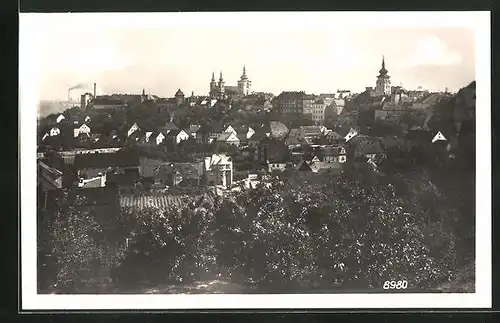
x=336 y=232
x=84 y=247
x=329 y=234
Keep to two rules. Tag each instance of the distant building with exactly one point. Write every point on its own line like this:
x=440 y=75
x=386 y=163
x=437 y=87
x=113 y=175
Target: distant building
x=318 y=111
x=290 y=102
x=383 y=85
x=307 y=103
x=219 y=90
x=179 y=97
x=106 y=103
x=85 y=100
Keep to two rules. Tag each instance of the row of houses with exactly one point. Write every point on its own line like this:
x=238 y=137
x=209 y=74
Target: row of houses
x=317 y=108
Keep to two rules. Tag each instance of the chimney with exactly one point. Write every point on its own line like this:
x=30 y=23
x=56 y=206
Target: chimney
x=95 y=86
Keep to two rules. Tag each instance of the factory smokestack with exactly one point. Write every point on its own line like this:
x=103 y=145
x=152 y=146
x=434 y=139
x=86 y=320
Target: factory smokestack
x=95 y=86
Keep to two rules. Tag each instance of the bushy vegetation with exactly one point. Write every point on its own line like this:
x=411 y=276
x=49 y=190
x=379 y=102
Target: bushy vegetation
x=82 y=249
x=284 y=238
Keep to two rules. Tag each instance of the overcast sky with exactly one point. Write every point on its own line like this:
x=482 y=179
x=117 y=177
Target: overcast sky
x=320 y=60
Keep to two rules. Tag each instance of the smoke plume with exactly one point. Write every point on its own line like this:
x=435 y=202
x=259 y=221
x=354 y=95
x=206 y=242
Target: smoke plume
x=81 y=86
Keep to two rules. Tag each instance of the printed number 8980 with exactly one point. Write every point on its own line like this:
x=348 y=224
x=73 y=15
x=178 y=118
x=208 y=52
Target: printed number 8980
x=392 y=284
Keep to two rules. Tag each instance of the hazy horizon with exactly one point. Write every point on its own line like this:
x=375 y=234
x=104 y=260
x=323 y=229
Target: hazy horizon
x=315 y=60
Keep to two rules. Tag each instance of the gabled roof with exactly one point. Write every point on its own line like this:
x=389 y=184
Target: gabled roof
x=258 y=136
x=170 y=126
x=139 y=133
x=175 y=133
x=217 y=160
x=278 y=129
x=224 y=136
x=303 y=166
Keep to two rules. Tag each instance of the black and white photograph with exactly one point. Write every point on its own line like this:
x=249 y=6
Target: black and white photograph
x=255 y=160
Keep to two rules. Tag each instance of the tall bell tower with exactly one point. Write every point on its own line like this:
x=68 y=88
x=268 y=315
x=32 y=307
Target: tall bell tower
x=383 y=85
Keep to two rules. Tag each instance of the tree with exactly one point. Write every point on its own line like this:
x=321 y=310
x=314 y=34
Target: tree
x=168 y=245
x=83 y=259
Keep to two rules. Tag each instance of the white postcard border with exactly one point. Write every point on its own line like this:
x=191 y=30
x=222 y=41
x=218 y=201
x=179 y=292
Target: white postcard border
x=30 y=24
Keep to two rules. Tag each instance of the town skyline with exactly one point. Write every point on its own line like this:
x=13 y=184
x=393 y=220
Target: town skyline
x=316 y=61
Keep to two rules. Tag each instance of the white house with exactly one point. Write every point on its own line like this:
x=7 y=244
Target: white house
x=54 y=132
x=159 y=139
x=352 y=133
x=82 y=129
x=45 y=136
x=132 y=129
x=60 y=118
x=231 y=129
x=439 y=137
x=178 y=135
x=250 y=132
x=87 y=119
x=148 y=135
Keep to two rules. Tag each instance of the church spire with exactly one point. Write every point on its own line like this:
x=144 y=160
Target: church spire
x=220 y=78
x=383 y=70
x=213 y=77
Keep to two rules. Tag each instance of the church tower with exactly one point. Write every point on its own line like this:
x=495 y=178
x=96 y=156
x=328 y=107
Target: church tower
x=244 y=84
x=213 y=87
x=221 y=86
x=383 y=86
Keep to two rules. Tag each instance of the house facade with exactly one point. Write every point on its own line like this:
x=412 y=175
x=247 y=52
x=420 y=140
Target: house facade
x=54 y=132
x=276 y=166
x=318 y=111
x=132 y=129
x=178 y=135
x=334 y=154
x=83 y=129
x=219 y=170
